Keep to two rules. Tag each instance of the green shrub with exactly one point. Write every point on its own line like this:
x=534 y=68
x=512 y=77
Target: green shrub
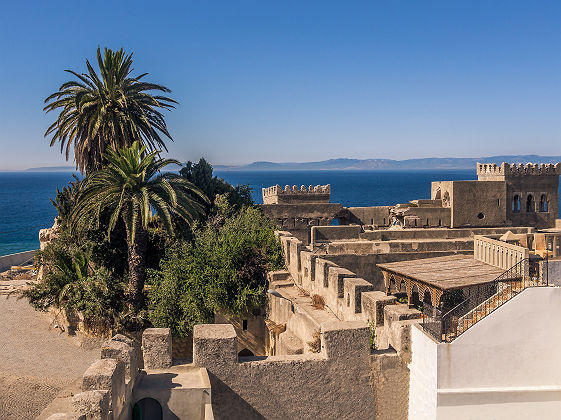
x=223 y=270
x=73 y=283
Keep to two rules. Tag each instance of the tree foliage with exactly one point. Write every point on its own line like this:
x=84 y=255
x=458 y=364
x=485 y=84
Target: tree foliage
x=109 y=110
x=201 y=175
x=222 y=270
x=129 y=188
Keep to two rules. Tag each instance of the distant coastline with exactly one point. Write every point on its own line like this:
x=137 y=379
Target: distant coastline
x=52 y=169
x=344 y=164
x=388 y=164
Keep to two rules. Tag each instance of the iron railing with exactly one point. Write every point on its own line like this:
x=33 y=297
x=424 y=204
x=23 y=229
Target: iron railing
x=483 y=299
x=432 y=321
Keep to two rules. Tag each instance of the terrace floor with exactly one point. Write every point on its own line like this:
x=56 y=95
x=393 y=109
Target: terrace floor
x=37 y=361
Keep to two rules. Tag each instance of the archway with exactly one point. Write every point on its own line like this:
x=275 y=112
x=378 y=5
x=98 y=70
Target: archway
x=246 y=353
x=147 y=409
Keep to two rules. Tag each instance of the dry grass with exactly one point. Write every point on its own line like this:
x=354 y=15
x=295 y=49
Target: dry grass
x=315 y=345
x=318 y=302
x=303 y=293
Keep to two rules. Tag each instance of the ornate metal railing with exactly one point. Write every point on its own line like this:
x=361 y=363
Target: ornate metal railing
x=483 y=300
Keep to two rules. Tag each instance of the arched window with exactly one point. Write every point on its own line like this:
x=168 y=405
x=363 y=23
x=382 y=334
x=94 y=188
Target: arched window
x=543 y=204
x=516 y=204
x=530 y=204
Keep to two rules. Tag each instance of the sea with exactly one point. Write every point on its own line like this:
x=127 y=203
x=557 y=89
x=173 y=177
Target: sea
x=25 y=205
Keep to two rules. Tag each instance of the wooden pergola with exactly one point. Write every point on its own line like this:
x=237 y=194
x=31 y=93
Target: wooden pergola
x=437 y=275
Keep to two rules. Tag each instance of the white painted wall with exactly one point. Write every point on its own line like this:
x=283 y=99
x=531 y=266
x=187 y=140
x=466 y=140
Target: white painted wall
x=423 y=376
x=507 y=366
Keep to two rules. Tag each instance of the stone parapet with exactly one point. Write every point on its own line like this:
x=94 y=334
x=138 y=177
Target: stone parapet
x=156 y=348
x=334 y=383
x=487 y=171
x=94 y=405
x=288 y=194
x=123 y=352
x=214 y=343
x=107 y=375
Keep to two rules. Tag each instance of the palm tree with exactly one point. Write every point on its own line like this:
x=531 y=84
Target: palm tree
x=111 y=111
x=130 y=187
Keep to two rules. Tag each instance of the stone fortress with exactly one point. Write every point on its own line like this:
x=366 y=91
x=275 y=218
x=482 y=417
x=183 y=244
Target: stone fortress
x=435 y=309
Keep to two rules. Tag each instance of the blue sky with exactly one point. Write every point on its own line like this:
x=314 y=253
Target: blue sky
x=302 y=80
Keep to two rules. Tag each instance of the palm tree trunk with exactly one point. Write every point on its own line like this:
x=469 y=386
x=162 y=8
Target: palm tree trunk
x=137 y=265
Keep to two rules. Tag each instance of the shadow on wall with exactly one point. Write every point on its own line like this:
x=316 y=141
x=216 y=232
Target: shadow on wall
x=225 y=401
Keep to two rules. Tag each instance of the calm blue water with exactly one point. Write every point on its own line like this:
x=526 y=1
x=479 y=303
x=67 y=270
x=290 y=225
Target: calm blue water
x=25 y=207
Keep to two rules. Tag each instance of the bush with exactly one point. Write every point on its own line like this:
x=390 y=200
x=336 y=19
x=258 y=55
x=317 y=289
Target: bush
x=72 y=283
x=223 y=270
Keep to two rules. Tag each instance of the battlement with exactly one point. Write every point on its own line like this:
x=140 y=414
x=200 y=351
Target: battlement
x=491 y=171
x=295 y=195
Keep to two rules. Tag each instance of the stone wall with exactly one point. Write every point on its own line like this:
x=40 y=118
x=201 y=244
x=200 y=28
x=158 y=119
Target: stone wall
x=473 y=203
x=250 y=330
x=375 y=215
x=107 y=385
x=296 y=195
x=299 y=218
x=333 y=384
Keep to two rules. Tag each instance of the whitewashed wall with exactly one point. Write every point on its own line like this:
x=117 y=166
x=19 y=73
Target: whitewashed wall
x=423 y=376
x=507 y=366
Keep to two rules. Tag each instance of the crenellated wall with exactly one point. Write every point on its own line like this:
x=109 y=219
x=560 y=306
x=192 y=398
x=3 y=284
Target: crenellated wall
x=491 y=171
x=295 y=195
x=332 y=384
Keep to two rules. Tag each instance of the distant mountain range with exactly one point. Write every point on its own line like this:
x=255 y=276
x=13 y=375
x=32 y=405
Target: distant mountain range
x=343 y=164
x=389 y=164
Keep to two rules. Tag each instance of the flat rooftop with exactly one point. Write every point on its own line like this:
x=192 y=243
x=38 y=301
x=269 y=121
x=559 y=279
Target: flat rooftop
x=445 y=273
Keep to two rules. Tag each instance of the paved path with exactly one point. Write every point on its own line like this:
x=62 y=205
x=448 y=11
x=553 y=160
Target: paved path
x=36 y=360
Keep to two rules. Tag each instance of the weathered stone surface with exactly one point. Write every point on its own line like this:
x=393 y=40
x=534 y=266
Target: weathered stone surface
x=107 y=374
x=214 y=343
x=393 y=313
x=391 y=391
x=373 y=304
x=156 y=348
x=124 y=339
x=334 y=384
x=341 y=338
x=93 y=404
x=122 y=352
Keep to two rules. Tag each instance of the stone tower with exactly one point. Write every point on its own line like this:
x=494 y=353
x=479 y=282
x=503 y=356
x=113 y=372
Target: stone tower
x=532 y=191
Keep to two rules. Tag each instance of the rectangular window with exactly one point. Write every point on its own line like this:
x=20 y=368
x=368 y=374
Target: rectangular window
x=244 y=324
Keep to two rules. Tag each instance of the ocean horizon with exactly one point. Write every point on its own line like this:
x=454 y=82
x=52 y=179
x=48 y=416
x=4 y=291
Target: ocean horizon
x=25 y=206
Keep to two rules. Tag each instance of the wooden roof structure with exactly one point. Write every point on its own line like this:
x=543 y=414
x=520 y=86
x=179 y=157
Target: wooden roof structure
x=438 y=275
